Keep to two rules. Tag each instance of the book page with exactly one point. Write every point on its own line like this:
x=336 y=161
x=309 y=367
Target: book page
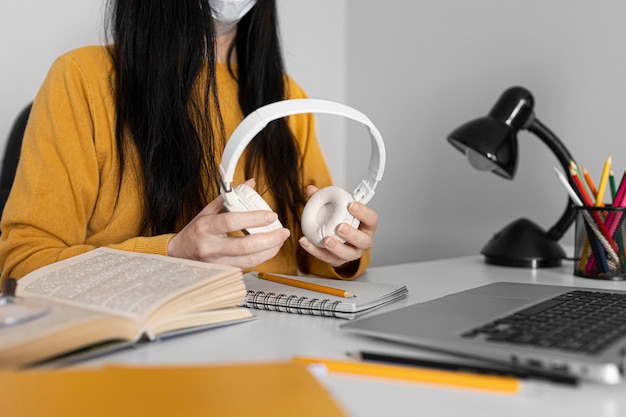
x=119 y=282
x=64 y=328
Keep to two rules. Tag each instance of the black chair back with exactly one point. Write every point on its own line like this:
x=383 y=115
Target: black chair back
x=12 y=155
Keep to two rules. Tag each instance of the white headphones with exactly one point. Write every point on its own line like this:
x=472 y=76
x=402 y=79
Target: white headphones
x=328 y=207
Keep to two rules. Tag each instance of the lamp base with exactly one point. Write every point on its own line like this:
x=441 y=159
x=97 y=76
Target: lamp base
x=523 y=244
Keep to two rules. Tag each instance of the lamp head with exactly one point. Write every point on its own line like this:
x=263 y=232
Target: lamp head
x=490 y=142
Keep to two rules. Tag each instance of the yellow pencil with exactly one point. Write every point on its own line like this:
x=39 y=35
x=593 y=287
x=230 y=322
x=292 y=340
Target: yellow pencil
x=433 y=376
x=603 y=180
x=306 y=285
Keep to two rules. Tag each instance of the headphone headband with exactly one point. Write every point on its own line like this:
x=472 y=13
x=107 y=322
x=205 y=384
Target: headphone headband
x=258 y=119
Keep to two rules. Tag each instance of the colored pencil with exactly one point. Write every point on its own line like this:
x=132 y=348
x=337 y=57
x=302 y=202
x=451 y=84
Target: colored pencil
x=612 y=184
x=306 y=285
x=612 y=220
x=588 y=202
x=580 y=175
x=497 y=383
x=603 y=181
x=620 y=194
x=573 y=195
x=597 y=234
x=599 y=198
x=598 y=253
x=593 y=191
x=620 y=201
x=589 y=182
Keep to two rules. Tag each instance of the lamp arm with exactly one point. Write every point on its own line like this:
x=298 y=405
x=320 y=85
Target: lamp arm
x=563 y=155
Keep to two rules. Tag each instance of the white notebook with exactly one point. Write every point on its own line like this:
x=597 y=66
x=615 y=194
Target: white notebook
x=268 y=295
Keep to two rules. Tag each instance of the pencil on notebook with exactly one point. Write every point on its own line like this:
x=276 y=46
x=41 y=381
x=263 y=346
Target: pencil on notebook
x=306 y=285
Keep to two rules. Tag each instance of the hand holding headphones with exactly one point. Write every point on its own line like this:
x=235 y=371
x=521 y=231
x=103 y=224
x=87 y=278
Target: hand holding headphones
x=328 y=207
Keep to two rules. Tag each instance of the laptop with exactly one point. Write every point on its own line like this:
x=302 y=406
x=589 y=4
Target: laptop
x=573 y=331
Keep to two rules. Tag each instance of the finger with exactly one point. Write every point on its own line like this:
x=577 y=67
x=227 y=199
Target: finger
x=234 y=221
x=367 y=216
x=310 y=190
x=333 y=253
x=320 y=253
x=359 y=238
x=249 y=251
x=340 y=251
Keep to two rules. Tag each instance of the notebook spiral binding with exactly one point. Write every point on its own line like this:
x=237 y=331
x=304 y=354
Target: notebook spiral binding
x=291 y=304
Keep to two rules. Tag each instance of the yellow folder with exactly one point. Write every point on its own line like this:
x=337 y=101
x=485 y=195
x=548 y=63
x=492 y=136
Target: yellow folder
x=264 y=389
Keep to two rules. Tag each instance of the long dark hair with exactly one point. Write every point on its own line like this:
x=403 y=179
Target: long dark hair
x=160 y=50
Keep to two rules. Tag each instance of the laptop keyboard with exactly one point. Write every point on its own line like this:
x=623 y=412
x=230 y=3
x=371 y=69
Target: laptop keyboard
x=578 y=321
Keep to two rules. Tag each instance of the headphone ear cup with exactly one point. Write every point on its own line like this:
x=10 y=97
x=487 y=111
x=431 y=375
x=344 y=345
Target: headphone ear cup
x=250 y=200
x=325 y=210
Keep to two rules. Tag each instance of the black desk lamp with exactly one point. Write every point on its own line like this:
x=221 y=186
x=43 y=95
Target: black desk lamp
x=490 y=143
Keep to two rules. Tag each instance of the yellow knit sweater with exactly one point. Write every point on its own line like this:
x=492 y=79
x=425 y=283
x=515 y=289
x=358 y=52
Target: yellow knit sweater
x=65 y=199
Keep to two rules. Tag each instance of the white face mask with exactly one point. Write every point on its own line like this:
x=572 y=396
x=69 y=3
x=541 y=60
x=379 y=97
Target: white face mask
x=227 y=13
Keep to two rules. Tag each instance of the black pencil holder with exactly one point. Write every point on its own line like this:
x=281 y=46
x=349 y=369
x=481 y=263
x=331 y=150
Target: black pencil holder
x=600 y=243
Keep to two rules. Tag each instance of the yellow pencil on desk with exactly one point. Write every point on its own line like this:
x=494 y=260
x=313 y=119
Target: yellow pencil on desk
x=505 y=384
x=306 y=285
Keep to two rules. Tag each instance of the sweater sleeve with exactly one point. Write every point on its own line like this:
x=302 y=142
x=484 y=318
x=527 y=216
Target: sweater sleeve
x=66 y=174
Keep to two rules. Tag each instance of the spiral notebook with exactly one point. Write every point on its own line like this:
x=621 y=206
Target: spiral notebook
x=267 y=295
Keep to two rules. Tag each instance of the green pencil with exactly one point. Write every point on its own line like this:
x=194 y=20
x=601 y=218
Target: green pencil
x=612 y=183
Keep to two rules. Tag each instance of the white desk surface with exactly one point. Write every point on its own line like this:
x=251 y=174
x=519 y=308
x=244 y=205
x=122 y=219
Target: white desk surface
x=280 y=336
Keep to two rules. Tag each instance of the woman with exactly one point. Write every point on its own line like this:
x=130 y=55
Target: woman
x=124 y=143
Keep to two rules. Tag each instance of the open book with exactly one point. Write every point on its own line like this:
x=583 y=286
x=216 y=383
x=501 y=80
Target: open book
x=267 y=295
x=112 y=295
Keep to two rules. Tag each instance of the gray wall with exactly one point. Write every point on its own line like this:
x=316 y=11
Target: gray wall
x=417 y=69
x=421 y=68
x=33 y=34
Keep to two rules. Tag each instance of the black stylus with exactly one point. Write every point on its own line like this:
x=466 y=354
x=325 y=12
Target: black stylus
x=514 y=372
